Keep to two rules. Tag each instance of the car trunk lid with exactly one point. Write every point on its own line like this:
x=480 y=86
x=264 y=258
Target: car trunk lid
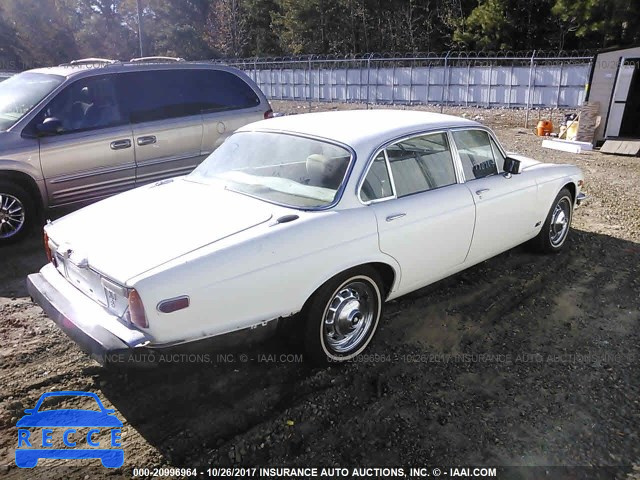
x=151 y=226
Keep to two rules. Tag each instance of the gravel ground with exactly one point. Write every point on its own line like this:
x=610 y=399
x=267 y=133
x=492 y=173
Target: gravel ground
x=522 y=360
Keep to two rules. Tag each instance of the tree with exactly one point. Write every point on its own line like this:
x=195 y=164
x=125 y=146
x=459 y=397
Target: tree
x=42 y=31
x=10 y=55
x=599 y=23
x=170 y=27
x=99 y=29
x=227 y=27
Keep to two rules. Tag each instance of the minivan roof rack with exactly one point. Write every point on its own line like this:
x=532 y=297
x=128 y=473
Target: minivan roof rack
x=88 y=61
x=156 y=59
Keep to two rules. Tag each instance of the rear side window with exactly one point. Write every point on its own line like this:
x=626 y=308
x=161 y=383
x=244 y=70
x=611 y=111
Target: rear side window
x=377 y=184
x=166 y=94
x=220 y=91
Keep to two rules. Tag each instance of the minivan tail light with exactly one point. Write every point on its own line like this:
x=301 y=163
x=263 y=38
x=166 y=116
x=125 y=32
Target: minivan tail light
x=268 y=114
x=136 y=310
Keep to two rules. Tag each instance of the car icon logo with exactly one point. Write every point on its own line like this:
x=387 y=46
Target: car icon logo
x=69 y=427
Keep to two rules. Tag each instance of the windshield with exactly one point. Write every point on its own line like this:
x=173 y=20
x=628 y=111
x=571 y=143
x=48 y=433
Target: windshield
x=277 y=167
x=19 y=94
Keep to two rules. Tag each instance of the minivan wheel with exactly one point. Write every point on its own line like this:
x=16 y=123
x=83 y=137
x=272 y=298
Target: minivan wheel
x=342 y=316
x=17 y=213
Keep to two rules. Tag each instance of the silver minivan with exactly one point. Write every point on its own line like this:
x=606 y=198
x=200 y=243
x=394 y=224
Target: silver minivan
x=77 y=133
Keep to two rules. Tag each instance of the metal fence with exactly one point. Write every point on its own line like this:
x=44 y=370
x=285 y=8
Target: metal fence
x=516 y=80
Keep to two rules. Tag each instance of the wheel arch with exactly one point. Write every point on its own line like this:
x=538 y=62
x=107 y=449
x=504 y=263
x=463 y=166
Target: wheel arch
x=571 y=186
x=388 y=273
x=27 y=182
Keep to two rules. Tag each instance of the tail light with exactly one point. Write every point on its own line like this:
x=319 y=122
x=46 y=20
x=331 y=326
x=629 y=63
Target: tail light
x=136 y=310
x=268 y=114
x=47 y=248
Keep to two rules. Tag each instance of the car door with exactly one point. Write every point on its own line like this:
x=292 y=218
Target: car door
x=167 y=123
x=425 y=216
x=505 y=204
x=92 y=157
x=228 y=103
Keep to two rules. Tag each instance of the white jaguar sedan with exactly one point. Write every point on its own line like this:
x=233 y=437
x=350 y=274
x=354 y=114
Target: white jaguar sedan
x=313 y=221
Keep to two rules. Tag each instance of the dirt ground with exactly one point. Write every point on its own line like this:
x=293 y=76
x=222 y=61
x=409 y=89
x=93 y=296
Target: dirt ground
x=524 y=359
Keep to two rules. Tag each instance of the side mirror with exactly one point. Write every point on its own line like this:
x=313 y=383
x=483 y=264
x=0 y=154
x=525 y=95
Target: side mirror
x=511 y=165
x=50 y=126
x=30 y=411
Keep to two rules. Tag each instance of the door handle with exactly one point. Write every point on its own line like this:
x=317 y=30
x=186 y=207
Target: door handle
x=481 y=191
x=391 y=218
x=142 y=141
x=120 y=144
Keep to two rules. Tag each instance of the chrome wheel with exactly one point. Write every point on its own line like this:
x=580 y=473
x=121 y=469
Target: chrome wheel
x=560 y=222
x=350 y=315
x=12 y=215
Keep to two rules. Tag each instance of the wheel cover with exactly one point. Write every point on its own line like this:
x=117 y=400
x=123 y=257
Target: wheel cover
x=560 y=220
x=12 y=215
x=350 y=316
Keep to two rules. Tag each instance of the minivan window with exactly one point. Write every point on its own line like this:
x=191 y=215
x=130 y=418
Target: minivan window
x=20 y=93
x=218 y=90
x=164 y=94
x=87 y=104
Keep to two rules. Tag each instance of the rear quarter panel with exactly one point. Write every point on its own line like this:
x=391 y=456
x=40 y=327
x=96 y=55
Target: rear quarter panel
x=258 y=275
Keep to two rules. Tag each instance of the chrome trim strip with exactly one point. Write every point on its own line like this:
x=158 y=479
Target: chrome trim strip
x=174 y=158
x=393 y=189
x=581 y=198
x=90 y=193
x=384 y=147
x=91 y=173
x=391 y=178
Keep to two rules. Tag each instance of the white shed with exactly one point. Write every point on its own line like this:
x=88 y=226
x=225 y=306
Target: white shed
x=615 y=84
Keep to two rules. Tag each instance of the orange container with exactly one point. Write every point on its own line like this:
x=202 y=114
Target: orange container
x=545 y=127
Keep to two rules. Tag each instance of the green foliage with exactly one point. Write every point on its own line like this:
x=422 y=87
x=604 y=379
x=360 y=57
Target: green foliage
x=45 y=32
x=605 y=22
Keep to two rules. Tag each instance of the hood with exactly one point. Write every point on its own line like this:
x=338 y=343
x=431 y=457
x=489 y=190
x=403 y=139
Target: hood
x=131 y=233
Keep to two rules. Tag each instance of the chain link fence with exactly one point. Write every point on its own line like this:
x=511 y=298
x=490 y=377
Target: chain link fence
x=482 y=79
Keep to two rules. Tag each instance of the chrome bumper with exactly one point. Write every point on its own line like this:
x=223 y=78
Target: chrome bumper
x=97 y=331
x=581 y=198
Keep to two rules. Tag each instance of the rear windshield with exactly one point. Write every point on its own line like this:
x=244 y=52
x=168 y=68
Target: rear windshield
x=280 y=168
x=19 y=94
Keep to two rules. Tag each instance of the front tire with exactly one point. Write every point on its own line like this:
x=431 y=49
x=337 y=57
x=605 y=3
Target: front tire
x=556 y=227
x=342 y=316
x=17 y=213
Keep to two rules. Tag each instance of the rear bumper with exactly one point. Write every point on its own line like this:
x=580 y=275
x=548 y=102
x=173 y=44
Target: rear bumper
x=97 y=331
x=101 y=334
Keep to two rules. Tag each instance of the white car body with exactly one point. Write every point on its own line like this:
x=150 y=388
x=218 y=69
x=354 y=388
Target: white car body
x=240 y=267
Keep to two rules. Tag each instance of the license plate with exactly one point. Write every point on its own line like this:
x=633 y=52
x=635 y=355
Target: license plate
x=111 y=298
